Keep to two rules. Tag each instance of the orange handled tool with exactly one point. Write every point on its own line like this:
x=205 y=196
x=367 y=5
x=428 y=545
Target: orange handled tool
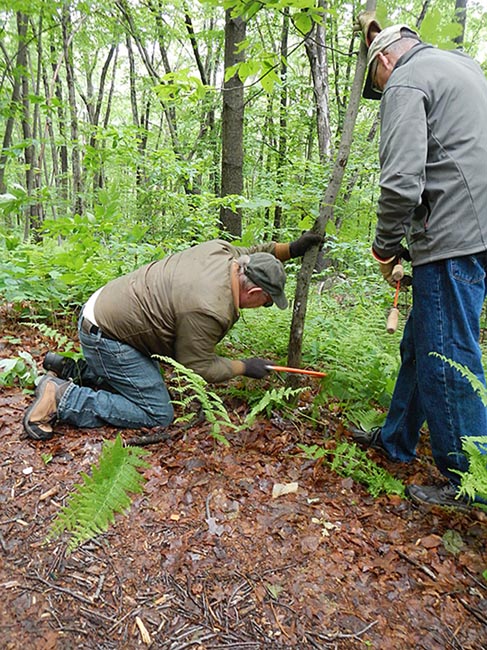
x=298 y=371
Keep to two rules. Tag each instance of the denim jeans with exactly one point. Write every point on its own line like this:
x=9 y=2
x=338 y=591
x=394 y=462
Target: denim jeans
x=447 y=302
x=140 y=397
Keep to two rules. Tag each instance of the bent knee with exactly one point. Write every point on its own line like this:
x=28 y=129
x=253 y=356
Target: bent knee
x=163 y=417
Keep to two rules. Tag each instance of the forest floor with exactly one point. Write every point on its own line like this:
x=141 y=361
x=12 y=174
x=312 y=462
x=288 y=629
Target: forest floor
x=207 y=559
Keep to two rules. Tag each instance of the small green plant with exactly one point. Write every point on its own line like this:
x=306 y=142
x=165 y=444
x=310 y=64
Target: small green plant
x=21 y=368
x=348 y=460
x=189 y=386
x=65 y=345
x=271 y=399
x=474 y=481
x=92 y=507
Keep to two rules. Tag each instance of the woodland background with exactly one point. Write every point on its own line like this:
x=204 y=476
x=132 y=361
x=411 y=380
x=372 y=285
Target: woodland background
x=132 y=129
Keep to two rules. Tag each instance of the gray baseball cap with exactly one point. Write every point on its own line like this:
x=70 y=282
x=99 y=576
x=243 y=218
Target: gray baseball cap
x=381 y=42
x=268 y=273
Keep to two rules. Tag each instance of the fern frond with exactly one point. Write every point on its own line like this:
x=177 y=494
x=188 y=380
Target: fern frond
x=350 y=461
x=474 y=381
x=272 y=398
x=474 y=481
x=189 y=387
x=65 y=346
x=92 y=507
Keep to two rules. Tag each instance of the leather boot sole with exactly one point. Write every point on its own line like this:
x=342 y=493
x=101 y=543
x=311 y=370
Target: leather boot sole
x=40 y=429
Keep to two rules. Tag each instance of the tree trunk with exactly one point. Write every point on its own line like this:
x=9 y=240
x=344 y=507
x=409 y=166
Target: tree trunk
x=232 y=126
x=282 y=147
x=75 y=152
x=316 y=50
x=460 y=17
x=33 y=213
x=9 y=125
x=326 y=208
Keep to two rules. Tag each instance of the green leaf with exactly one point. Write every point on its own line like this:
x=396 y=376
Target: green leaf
x=303 y=22
x=452 y=541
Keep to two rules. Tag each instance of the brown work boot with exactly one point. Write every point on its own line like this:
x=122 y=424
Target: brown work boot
x=42 y=412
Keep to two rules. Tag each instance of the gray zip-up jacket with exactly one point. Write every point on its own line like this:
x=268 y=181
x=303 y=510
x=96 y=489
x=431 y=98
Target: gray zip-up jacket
x=433 y=155
x=180 y=306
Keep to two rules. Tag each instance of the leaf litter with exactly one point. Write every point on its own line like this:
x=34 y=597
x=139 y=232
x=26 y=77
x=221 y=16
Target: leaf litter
x=208 y=557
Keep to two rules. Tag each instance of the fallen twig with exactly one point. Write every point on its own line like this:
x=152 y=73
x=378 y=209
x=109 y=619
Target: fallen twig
x=62 y=590
x=474 y=611
x=334 y=636
x=429 y=572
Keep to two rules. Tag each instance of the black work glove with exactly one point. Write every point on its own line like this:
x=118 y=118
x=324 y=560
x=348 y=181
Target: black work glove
x=308 y=239
x=256 y=368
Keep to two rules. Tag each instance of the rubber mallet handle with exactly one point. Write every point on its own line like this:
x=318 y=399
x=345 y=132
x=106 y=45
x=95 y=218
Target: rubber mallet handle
x=392 y=320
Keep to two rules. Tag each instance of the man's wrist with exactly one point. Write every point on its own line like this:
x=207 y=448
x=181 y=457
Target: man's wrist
x=282 y=252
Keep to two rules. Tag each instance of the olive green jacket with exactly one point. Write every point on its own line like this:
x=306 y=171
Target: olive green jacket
x=180 y=306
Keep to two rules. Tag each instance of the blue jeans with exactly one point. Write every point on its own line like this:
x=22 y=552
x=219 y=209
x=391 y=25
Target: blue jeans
x=447 y=302
x=140 y=397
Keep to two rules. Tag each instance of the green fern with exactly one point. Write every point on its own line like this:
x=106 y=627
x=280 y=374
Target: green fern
x=474 y=481
x=66 y=346
x=474 y=381
x=349 y=461
x=91 y=509
x=270 y=399
x=190 y=386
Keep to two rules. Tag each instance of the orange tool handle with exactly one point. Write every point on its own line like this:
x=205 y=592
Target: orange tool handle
x=298 y=371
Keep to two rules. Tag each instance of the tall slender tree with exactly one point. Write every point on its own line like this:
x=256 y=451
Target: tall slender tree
x=232 y=124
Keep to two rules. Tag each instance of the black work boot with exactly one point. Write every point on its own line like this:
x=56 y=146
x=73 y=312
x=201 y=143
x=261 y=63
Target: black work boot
x=444 y=495
x=41 y=414
x=64 y=367
x=368 y=438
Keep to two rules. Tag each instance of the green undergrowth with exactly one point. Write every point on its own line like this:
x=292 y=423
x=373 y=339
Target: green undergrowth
x=349 y=461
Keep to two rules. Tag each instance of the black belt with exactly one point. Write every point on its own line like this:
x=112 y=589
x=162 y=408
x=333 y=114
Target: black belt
x=90 y=328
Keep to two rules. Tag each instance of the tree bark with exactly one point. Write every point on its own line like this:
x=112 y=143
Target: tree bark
x=460 y=17
x=77 y=205
x=316 y=50
x=326 y=208
x=32 y=221
x=283 y=100
x=9 y=125
x=232 y=126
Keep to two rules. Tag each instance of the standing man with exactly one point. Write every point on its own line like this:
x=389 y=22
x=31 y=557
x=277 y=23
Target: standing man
x=433 y=194
x=180 y=307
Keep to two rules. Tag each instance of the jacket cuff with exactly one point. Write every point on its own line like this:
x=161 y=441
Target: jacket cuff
x=238 y=367
x=282 y=252
x=380 y=259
